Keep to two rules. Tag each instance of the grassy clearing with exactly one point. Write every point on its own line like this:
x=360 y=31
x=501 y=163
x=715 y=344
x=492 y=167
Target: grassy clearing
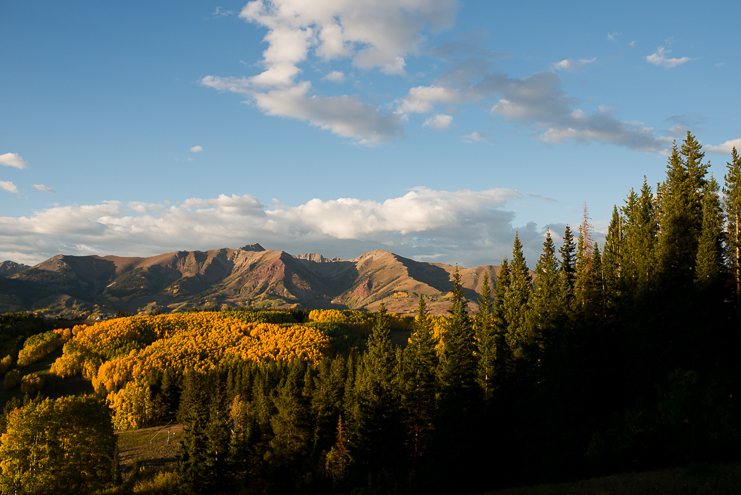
x=149 y=446
x=698 y=479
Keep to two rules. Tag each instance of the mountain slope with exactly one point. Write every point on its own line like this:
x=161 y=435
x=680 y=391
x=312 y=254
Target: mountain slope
x=248 y=276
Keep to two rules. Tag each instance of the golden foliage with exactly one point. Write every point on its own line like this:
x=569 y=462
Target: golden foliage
x=117 y=354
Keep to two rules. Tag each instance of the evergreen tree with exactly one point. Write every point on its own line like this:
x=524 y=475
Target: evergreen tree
x=420 y=363
x=732 y=209
x=380 y=425
x=544 y=303
x=193 y=472
x=642 y=226
x=292 y=435
x=485 y=330
x=681 y=214
x=516 y=299
x=710 y=263
x=455 y=458
x=218 y=436
x=612 y=258
x=503 y=279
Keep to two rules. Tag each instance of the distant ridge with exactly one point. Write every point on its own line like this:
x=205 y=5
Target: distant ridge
x=251 y=276
x=8 y=268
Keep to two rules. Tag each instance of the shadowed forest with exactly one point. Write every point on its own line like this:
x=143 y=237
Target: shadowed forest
x=612 y=358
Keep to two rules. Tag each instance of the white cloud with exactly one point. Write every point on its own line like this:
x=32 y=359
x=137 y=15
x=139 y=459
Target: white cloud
x=335 y=76
x=613 y=36
x=43 y=188
x=423 y=98
x=343 y=115
x=659 y=58
x=469 y=227
x=441 y=121
x=725 y=148
x=633 y=43
x=13 y=160
x=8 y=186
x=571 y=64
x=196 y=149
x=373 y=34
x=478 y=136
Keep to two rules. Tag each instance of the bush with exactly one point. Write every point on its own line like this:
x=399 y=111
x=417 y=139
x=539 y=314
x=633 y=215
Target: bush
x=12 y=378
x=39 y=346
x=30 y=384
x=5 y=364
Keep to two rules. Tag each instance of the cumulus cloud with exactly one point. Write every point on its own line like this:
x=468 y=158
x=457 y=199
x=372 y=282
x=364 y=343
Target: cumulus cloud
x=441 y=121
x=343 y=115
x=196 y=149
x=13 y=160
x=8 y=186
x=725 y=148
x=422 y=99
x=468 y=227
x=43 y=188
x=613 y=36
x=335 y=76
x=659 y=58
x=571 y=64
x=372 y=34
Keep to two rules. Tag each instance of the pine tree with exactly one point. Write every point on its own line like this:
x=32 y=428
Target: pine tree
x=516 y=299
x=710 y=262
x=420 y=363
x=485 y=330
x=732 y=209
x=218 y=436
x=612 y=258
x=681 y=214
x=292 y=435
x=454 y=452
x=193 y=474
x=380 y=426
x=544 y=303
x=503 y=279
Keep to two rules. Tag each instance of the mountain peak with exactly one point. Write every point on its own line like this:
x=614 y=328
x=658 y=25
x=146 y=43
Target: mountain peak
x=252 y=247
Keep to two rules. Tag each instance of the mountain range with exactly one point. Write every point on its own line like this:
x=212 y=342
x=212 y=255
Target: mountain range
x=85 y=286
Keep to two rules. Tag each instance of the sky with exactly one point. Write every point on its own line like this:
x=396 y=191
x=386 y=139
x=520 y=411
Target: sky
x=434 y=129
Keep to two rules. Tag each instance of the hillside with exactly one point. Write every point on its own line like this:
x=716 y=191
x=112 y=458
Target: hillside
x=70 y=286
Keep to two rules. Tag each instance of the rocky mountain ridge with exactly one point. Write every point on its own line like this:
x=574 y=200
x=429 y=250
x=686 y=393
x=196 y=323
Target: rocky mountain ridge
x=250 y=276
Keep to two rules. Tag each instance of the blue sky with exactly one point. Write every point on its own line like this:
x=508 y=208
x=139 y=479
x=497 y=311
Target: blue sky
x=431 y=128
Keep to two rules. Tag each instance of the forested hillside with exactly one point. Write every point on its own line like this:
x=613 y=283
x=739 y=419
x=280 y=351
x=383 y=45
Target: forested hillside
x=613 y=358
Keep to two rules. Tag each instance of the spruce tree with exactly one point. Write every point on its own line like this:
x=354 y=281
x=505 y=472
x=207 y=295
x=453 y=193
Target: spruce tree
x=454 y=454
x=710 y=262
x=732 y=209
x=544 y=304
x=612 y=258
x=485 y=330
x=193 y=472
x=420 y=363
x=380 y=425
x=516 y=299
